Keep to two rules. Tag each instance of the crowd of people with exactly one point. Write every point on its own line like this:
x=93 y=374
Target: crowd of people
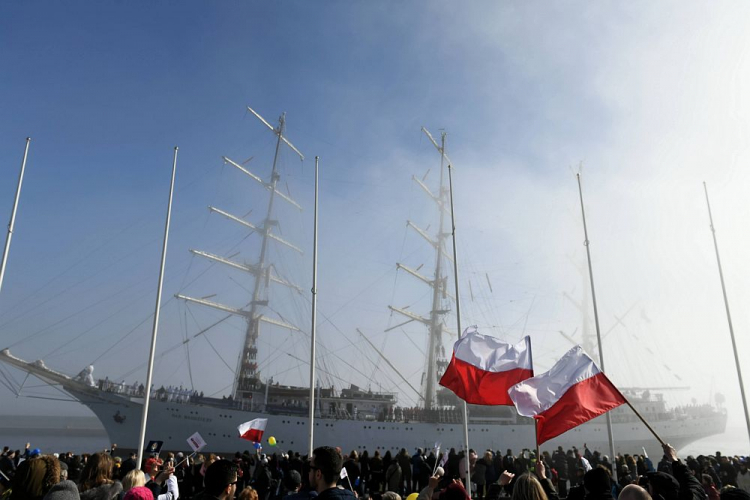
x=332 y=475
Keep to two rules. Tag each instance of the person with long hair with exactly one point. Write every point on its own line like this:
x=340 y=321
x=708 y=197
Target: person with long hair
x=528 y=487
x=34 y=478
x=133 y=479
x=96 y=479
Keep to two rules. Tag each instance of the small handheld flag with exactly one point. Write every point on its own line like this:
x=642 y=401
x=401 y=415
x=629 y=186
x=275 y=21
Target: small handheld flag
x=196 y=442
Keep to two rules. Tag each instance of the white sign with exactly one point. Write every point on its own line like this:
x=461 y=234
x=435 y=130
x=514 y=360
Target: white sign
x=196 y=442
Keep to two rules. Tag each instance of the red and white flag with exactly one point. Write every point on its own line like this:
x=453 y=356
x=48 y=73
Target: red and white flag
x=573 y=392
x=253 y=430
x=483 y=368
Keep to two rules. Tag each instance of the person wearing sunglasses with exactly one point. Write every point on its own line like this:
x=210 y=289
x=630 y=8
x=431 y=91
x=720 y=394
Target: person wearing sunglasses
x=220 y=481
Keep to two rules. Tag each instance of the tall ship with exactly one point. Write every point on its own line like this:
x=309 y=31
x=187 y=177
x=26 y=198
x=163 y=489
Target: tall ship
x=351 y=417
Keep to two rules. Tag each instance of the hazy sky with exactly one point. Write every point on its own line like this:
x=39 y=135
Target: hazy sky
x=651 y=99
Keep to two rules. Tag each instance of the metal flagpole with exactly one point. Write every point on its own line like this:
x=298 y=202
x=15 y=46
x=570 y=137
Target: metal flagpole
x=458 y=318
x=729 y=316
x=147 y=395
x=13 y=213
x=596 y=323
x=314 y=292
x=536 y=423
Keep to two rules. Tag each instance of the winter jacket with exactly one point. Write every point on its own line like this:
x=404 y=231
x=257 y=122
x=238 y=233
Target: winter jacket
x=336 y=494
x=690 y=487
x=743 y=481
x=393 y=477
x=104 y=492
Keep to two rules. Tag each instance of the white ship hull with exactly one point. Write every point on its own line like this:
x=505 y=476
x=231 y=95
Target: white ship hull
x=174 y=422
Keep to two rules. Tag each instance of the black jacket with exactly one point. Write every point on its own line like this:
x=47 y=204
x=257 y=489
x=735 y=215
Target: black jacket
x=336 y=494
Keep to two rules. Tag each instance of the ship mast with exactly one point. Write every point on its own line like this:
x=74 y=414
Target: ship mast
x=435 y=363
x=247 y=377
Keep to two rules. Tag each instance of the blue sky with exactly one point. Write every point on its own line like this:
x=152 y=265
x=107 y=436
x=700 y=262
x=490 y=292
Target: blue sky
x=651 y=98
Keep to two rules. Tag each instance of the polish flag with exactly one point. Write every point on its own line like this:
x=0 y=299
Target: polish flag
x=573 y=392
x=253 y=430
x=483 y=368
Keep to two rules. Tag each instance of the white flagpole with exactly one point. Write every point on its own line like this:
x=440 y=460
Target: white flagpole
x=314 y=292
x=596 y=322
x=458 y=317
x=147 y=396
x=13 y=213
x=729 y=316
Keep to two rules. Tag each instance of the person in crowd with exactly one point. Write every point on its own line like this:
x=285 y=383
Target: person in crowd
x=353 y=469
x=479 y=478
x=451 y=466
x=293 y=487
x=633 y=492
x=463 y=466
x=325 y=467
x=132 y=479
x=220 y=481
x=509 y=462
x=734 y=494
x=404 y=463
x=8 y=463
x=248 y=494
x=139 y=493
x=598 y=484
x=689 y=487
x=528 y=487
x=63 y=471
x=393 y=477
x=263 y=479
x=416 y=469
x=364 y=465
x=34 y=478
x=625 y=478
x=96 y=481
x=164 y=485
x=391 y=495
x=709 y=487
x=743 y=477
x=64 y=490
x=376 y=472
x=560 y=463
x=727 y=472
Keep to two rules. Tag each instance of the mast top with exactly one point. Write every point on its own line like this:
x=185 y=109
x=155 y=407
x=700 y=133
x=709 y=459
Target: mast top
x=278 y=131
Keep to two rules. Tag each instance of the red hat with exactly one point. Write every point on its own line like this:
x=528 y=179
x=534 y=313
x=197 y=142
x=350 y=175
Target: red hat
x=139 y=493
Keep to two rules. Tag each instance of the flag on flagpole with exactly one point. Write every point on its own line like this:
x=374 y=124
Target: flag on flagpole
x=573 y=392
x=483 y=368
x=253 y=430
x=343 y=473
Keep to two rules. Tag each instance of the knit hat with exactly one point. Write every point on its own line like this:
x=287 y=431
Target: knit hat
x=64 y=490
x=139 y=493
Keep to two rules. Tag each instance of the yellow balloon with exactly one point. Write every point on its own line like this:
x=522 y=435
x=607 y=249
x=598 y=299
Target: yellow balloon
x=272 y=441
x=413 y=496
